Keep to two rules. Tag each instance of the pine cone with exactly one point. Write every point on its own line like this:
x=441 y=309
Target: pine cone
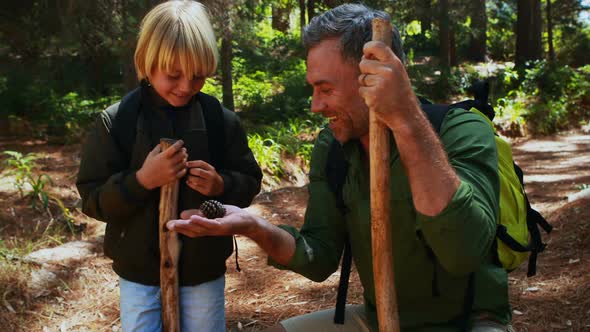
x=212 y=209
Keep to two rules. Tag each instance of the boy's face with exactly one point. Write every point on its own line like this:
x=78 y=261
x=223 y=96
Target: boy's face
x=174 y=86
x=335 y=91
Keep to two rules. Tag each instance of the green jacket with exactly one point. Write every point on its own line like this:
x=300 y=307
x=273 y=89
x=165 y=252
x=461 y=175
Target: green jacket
x=431 y=292
x=110 y=191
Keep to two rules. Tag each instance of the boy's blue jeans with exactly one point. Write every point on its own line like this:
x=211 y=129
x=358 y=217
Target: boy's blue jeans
x=202 y=307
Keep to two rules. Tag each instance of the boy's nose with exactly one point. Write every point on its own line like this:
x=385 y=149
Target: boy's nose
x=185 y=86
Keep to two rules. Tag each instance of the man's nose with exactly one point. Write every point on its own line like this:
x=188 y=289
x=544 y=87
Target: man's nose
x=317 y=105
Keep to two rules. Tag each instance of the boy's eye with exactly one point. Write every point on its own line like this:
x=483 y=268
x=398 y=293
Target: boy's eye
x=173 y=77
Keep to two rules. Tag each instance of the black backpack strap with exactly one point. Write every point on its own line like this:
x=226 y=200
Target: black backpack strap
x=124 y=126
x=481 y=91
x=533 y=219
x=468 y=303
x=343 y=283
x=436 y=114
x=213 y=115
x=336 y=169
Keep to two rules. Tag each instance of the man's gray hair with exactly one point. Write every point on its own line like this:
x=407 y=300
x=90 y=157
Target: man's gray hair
x=351 y=23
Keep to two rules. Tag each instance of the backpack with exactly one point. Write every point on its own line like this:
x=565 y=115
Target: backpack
x=124 y=116
x=517 y=233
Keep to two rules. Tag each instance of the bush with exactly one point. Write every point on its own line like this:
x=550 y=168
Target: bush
x=551 y=97
x=71 y=114
x=574 y=46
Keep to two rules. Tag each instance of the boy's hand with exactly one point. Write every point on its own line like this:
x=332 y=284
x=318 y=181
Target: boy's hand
x=160 y=168
x=203 y=178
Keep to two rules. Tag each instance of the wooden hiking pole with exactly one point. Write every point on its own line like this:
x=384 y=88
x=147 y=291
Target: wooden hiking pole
x=380 y=207
x=169 y=252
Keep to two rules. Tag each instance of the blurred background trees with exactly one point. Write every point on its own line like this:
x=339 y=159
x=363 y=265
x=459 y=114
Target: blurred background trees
x=61 y=61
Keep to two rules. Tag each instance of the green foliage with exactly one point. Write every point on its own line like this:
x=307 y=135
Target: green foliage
x=268 y=155
x=269 y=77
x=550 y=97
x=72 y=113
x=270 y=144
x=21 y=167
x=296 y=137
x=251 y=90
x=511 y=112
x=501 y=39
x=32 y=185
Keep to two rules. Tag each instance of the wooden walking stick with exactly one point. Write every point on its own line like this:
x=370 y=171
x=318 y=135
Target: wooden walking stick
x=380 y=207
x=169 y=252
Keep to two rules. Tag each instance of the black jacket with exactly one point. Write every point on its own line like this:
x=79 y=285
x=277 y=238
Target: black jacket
x=110 y=191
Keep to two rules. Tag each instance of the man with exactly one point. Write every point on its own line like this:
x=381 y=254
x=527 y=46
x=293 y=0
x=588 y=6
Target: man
x=444 y=190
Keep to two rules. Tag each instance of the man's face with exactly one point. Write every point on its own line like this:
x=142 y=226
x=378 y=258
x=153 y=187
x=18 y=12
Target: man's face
x=335 y=91
x=174 y=86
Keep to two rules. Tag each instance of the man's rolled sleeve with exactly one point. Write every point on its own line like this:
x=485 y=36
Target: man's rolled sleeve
x=462 y=234
x=303 y=253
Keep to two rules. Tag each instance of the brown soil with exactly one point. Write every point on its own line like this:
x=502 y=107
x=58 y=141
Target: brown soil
x=558 y=298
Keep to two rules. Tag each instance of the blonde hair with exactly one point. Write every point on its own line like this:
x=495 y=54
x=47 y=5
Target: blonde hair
x=176 y=30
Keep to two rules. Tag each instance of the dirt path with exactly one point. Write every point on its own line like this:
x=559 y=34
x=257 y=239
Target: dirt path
x=259 y=296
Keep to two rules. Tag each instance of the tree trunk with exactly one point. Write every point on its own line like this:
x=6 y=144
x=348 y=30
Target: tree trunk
x=444 y=35
x=302 y=15
x=550 y=32
x=424 y=10
x=128 y=45
x=529 y=44
x=226 y=70
x=222 y=10
x=452 y=48
x=310 y=10
x=477 y=43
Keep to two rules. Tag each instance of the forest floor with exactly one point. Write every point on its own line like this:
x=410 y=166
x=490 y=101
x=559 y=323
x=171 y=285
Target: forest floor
x=86 y=297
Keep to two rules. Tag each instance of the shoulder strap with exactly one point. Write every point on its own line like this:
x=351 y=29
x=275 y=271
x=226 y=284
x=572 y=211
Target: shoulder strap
x=533 y=219
x=213 y=115
x=125 y=121
x=343 y=283
x=336 y=169
x=436 y=114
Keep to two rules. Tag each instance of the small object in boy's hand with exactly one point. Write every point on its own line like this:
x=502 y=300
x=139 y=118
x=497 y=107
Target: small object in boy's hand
x=212 y=209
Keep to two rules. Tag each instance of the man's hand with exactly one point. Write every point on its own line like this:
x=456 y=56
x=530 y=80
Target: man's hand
x=386 y=87
x=278 y=243
x=160 y=168
x=387 y=91
x=194 y=224
x=204 y=178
